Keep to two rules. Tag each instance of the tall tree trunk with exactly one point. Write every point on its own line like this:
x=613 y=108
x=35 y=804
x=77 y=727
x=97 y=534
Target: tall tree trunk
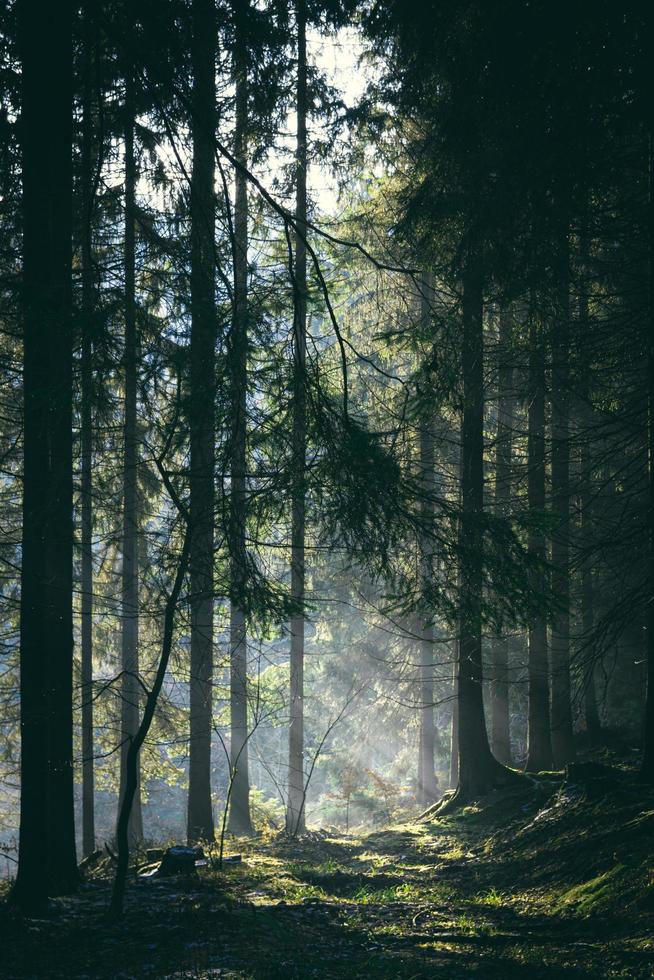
x=478 y=769
x=539 y=748
x=130 y=569
x=86 y=425
x=295 y=811
x=591 y=713
x=202 y=422
x=427 y=789
x=647 y=767
x=499 y=687
x=239 y=808
x=151 y=701
x=454 y=725
x=47 y=859
x=561 y=706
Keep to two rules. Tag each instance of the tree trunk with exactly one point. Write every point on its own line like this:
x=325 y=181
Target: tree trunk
x=499 y=687
x=539 y=748
x=591 y=713
x=130 y=570
x=478 y=769
x=132 y=765
x=454 y=726
x=561 y=706
x=86 y=426
x=647 y=767
x=47 y=859
x=295 y=812
x=239 y=808
x=202 y=422
x=427 y=789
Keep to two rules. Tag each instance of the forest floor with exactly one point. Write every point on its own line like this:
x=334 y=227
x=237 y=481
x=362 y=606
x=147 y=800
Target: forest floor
x=552 y=879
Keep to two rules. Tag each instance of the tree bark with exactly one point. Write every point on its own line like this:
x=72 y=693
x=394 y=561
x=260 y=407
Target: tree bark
x=295 y=813
x=539 y=747
x=200 y=824
x=130 y=569
x=132 y=765
x=427 y=789
x=478 y=769
x=86 y=435
x=47 y=859
x=239 y=807
x=561 y=705
x=591 y=713
x=454 y=725
x=647 y=766
x=499 y=687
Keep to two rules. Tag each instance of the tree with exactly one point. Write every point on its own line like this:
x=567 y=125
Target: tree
x=499 y=687
x=561 y=705
x=86 y=435
x=427 y=789
x=239 y=808
x=151 y=701
x=130 y=533
x=47 y=860
x=295 y=804
x=647 y=767
x=539 y=750
x=479 y=771
x=585 y=411
x=202 y=420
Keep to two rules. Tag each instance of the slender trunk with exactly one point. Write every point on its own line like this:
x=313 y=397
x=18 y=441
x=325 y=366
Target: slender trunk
x=202 y=423
x=539 y=748
x=647 y=768
x=47 y=860
x=295 y=819
x=499 y=688
x=62 y=873
x=86 y=426
x=561 y=704
x=130 y=570
x=427 y=789
x=132 y=763
x=478 y=769
x=239 y=808
x=454 y=727
x=591 y=713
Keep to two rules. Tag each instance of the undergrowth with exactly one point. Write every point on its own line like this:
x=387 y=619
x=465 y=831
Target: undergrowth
x=552 y=878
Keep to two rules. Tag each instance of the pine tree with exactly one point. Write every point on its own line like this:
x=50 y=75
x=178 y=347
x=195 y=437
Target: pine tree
x=130 y=530
x=239 y=804
x=47 y=861
x=202 y=421
x=295 y=816
x=539 y=750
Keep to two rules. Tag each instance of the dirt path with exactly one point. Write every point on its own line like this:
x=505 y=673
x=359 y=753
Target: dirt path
x=412 y=902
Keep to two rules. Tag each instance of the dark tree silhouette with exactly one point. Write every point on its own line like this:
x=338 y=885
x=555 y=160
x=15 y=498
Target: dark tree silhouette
x=295 y=818
x=47 y=861
x=202 y=420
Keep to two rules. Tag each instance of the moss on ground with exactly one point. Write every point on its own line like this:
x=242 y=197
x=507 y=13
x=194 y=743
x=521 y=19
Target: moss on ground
x=553 y=878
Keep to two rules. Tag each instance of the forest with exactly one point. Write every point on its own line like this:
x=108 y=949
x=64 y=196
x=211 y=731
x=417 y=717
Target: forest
x=326 y=489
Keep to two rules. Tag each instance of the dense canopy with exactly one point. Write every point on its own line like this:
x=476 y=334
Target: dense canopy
x=326 y=421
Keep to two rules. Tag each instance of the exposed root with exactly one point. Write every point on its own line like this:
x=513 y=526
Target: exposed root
x=434 y=807
x=503 y=778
